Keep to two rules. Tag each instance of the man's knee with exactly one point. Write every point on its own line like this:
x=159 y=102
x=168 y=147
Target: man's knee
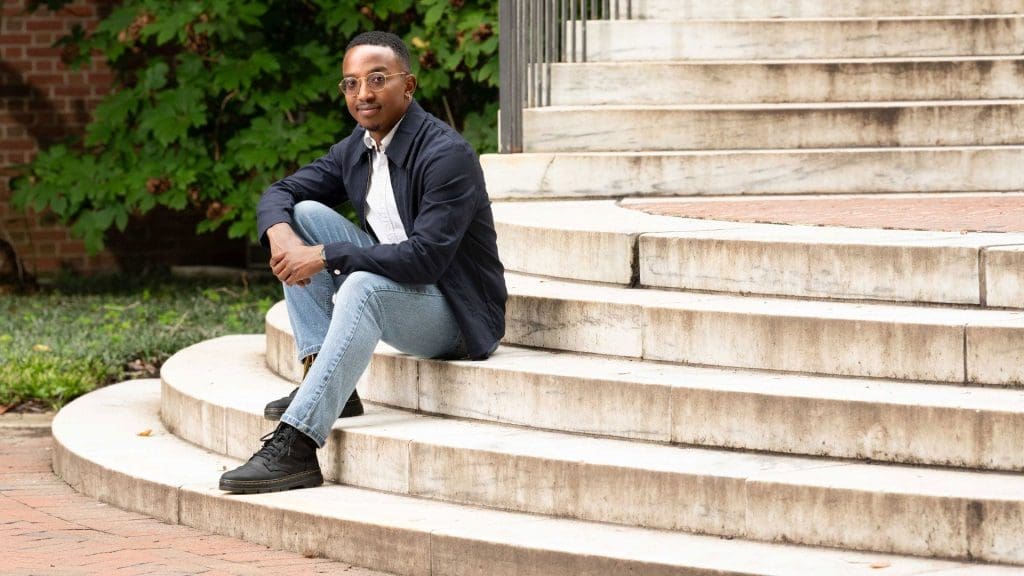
x=360 y=285
x=305 y=212
x=358 y=292
x=318 y=223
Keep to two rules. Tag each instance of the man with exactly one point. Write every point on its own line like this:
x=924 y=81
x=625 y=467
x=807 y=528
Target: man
x=422 y=273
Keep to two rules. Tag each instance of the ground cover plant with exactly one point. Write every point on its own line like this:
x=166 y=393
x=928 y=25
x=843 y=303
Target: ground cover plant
x=80 y=334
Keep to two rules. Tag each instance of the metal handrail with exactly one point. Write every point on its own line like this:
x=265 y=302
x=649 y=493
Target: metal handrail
x=533 y=35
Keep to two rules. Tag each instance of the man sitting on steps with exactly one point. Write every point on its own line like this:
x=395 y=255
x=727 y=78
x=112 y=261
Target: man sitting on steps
x=422 y=273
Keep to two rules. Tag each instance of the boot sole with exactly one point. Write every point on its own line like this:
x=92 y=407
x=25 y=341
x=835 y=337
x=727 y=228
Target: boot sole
x=308 y=479
x=351 y=409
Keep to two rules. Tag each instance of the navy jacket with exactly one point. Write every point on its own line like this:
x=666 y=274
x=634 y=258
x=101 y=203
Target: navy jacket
x=440 y=194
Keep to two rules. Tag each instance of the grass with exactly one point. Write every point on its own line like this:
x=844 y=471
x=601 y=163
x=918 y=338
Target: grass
x=80 y=334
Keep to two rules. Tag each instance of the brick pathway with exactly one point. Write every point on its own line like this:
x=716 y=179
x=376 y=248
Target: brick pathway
x=973 y=213
x=46 y=528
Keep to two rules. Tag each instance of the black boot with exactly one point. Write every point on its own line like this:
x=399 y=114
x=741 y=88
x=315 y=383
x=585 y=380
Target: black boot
x=275 y=409
x=287 y=460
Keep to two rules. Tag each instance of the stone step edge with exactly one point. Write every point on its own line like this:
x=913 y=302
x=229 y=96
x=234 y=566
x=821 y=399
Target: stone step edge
x=688 y=9
x=754 y=173
x=829 y=20
x=945 y=344
x=656 y=408
x=633 y=40
x=866 y=150
x=633 y=243
x=699 y=490
x=663 y=403
x=906 y=342
x=786 y=106
x=821 y=19
x=101 y=453
x=728 y=127
x=749 y=82
x=626 y=65
x=616 y=128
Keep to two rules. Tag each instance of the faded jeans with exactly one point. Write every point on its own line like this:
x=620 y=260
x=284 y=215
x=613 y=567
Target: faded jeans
x=342 y=318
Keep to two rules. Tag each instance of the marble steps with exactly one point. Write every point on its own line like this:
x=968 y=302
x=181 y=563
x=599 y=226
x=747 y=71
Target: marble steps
x=772 y=126
x=603 y=241
x=924 y=343
x=931 y=343
x=782 y=81
x=98 y=450
x=761 y=9
x=548 y=175
x=957 y=514
x=654 y=40
x=881 y=420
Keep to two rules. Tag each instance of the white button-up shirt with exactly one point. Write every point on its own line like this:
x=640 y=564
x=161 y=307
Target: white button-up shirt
x=381 y=209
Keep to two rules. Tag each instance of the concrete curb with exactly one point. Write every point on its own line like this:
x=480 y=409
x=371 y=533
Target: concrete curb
x=27 y=421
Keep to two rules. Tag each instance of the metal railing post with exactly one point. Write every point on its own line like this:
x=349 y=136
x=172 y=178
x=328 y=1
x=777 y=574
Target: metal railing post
x=509 y=102
x=572 y=19
x=535 y=35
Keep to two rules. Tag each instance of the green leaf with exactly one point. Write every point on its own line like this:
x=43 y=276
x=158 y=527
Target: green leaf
x=175 y=112
x=383 y=8
x=434 y=14
x=111 y=116
x=168 y=25
x=155 y=76
x=121 y=219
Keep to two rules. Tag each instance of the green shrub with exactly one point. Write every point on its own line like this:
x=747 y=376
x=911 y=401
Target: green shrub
x=216 y=99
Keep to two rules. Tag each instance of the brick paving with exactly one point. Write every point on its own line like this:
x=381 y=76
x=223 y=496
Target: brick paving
x=47 y=528
x=970 y=213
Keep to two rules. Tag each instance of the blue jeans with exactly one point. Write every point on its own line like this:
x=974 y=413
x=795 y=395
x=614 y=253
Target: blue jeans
x=342 y=318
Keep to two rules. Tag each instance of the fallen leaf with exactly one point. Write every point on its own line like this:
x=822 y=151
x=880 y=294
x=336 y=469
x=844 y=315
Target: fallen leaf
x=145 y=433
x=41 y=348
x=879 y=565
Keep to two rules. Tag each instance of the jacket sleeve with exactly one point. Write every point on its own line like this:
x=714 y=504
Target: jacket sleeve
x=320 y=180
x=452 y=190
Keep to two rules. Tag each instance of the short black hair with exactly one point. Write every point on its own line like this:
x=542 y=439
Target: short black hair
x=385 y=39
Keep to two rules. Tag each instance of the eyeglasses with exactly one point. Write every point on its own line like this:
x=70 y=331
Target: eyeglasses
x=375 y=81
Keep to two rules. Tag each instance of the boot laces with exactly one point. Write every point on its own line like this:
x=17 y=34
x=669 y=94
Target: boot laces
x=275 y=444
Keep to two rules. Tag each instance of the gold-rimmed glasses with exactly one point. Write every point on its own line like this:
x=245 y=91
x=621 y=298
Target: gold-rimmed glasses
x=375 y=81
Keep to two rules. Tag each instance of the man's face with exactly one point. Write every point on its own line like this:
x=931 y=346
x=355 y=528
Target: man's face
x=377 y=112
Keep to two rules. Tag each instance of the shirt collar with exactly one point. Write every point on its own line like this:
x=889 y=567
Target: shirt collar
x=385 y=142
x=404 y=133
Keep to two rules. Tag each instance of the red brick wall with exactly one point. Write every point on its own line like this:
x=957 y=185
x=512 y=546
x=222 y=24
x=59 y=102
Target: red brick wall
x=41 y=101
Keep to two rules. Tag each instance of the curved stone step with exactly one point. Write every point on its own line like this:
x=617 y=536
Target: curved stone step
x=881 y=420
x=590 y=240
x=602 y=241
x=781 y=81
x=98 y=451
x=1004 y=284
x=735 y=9
x=651 y=40
x=933 y=512
x=936 y=344
x=754 y=172
x=772 y=126
x=836 y=338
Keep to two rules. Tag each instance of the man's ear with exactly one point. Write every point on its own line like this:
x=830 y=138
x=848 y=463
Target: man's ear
x=410 y=86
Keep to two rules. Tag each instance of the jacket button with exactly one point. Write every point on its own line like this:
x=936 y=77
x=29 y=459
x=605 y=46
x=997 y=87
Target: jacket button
x=337 y=272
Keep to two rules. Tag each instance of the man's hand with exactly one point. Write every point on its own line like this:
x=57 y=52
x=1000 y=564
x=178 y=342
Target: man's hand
x=292 y=261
